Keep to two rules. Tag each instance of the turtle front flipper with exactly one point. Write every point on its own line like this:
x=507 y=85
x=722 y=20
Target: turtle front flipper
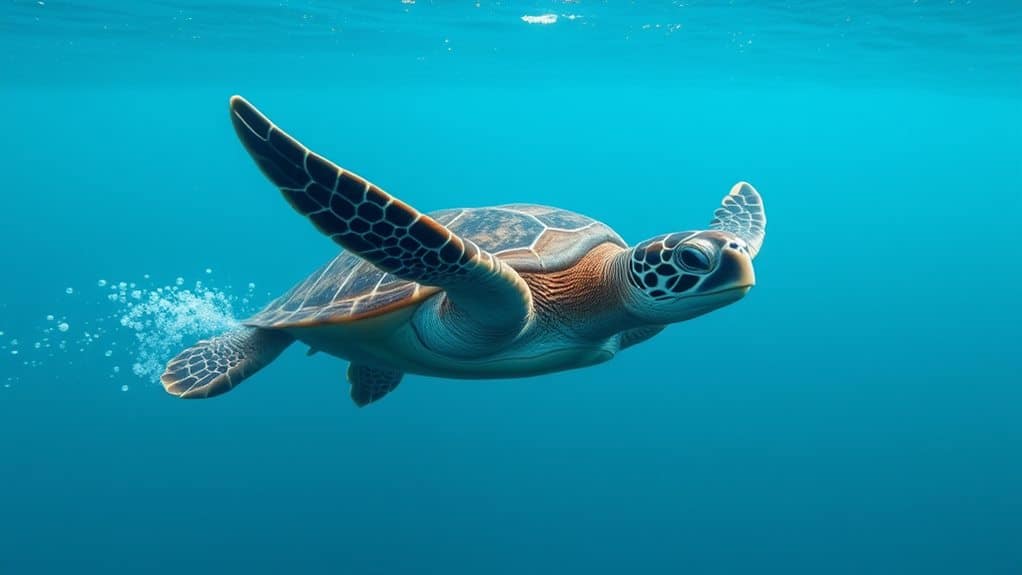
x=369 y=384
x=218 y=364
x=741 y=213
x=490 y=302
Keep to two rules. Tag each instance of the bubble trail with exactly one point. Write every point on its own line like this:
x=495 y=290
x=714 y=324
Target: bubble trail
x=142 y=324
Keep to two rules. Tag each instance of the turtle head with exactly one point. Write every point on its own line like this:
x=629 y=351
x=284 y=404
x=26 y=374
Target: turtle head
x=679 y=276
x=682 y=275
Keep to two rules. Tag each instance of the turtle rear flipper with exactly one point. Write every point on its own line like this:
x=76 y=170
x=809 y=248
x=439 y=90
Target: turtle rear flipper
x=216 y=365
x=369 y=384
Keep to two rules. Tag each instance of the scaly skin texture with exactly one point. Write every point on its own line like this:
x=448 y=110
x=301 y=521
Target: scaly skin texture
x=584 y=301
x=576 y=322
x=216 y=365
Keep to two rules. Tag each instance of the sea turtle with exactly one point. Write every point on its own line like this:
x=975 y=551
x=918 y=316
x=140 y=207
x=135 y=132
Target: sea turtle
x=478 y=293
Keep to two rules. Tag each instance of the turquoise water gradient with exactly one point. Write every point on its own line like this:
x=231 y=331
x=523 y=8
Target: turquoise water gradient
x=858 y=412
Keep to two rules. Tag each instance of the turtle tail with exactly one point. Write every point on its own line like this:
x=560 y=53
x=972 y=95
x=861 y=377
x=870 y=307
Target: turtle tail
x=214 y=366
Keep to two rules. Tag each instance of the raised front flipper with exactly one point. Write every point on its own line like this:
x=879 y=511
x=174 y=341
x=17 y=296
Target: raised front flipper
x=741 y=213
x=491 y=301
x=369 y=384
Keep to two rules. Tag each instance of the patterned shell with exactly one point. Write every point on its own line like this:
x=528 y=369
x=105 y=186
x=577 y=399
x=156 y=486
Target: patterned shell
x=528 y=237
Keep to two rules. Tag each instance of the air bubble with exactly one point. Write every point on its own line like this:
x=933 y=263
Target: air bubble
x=209 y=270
x=159 y=320
x=69 y=291
x=124 y=387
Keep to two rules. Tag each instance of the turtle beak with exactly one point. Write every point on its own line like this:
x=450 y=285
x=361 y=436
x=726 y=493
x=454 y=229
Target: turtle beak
x=741 y=263
x=733 y=273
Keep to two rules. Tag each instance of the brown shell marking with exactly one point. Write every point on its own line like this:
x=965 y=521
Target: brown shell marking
x=530 y=238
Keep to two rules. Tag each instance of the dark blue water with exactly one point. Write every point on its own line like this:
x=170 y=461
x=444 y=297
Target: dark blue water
x=857 y=412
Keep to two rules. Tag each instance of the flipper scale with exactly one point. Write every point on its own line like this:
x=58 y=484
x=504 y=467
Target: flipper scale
x=490 y=296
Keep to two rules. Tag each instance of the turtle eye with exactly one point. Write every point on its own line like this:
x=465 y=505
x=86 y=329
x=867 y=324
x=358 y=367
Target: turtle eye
x=694 y=259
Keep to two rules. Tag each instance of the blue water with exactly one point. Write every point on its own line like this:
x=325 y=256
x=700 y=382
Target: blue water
x=857 y=412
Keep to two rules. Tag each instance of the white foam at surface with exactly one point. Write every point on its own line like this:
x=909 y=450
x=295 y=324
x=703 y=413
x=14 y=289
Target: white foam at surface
x=540 y=19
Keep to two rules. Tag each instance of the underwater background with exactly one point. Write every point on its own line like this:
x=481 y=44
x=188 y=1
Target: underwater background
x=860 y=411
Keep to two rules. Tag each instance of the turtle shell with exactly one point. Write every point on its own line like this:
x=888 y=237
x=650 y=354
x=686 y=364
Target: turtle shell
x=529 y=238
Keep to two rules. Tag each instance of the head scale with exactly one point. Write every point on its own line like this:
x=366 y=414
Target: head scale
x=679 y=276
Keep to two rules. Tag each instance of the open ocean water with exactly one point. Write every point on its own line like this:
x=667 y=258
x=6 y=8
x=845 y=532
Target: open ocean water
x=860 y=411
